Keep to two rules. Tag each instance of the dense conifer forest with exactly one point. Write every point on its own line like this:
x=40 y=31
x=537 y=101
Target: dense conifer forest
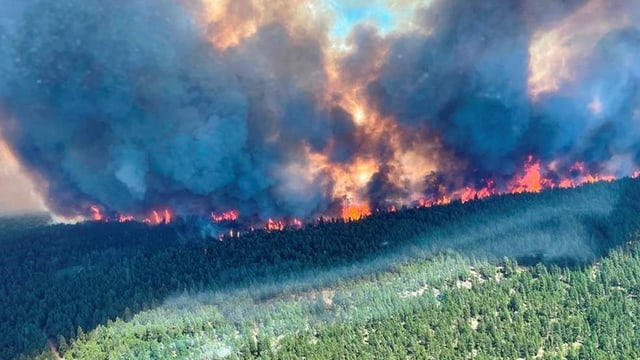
x=552 y=275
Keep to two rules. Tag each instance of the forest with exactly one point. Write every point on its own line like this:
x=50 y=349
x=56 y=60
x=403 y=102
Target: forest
x=551 y=275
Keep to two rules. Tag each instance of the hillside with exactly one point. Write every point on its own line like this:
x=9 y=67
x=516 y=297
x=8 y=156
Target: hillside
x=504 y=277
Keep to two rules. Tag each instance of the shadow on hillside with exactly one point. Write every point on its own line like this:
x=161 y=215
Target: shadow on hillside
x=66 y=277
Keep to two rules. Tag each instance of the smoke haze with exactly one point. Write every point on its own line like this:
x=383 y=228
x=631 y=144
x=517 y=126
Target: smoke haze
x=301 y=109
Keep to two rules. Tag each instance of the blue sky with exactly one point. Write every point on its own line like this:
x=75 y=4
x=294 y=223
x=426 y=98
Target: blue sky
x=350 y=15
x=385 y=14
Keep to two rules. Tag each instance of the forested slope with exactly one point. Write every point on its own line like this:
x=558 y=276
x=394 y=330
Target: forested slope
x=433 y=309
x=61 y=282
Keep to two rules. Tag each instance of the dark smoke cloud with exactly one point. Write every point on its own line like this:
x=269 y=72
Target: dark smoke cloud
x=466 y=79
x=565 y=125
x=382 y=192
x=128 y=106
x=464 y=74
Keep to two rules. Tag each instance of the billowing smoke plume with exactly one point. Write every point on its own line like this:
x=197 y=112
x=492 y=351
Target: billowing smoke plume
x=466 y=74
x=206 y=105
x=129 y=106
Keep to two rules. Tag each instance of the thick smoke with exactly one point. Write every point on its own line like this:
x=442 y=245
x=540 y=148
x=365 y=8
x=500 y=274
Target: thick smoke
x=465 y=73
x=134 y=106
x=129 y=106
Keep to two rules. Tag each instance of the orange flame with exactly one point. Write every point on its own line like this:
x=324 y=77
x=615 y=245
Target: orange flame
x=157 y=218
x=297 y=223
x=125 y=218
x=355 y=212
x=96 y=214
x=583 y=177
x=422 y=203
x=534 y=177
x=274 y=225
x=231 y=215
x=486 y=192
x=531 y=180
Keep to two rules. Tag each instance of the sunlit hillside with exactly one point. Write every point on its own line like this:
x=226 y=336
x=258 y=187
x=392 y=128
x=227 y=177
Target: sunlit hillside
x=503 y=277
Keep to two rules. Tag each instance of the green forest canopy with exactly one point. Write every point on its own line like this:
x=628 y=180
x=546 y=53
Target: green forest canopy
x=401 y=284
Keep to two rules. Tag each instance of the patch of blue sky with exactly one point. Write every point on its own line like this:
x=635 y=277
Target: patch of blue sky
x=350 y=13
x=386 y=15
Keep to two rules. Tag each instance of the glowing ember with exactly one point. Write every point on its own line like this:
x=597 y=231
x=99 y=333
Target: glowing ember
x=125 y=218
x=159 y=217
x=598 y=178
x=156 y=217
x=485 y=192
x=422 y=203
x=296 y=223
x=273 y=225
x=227 y=216
x=566 y=183
x=468 y=194
x=96 y=214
